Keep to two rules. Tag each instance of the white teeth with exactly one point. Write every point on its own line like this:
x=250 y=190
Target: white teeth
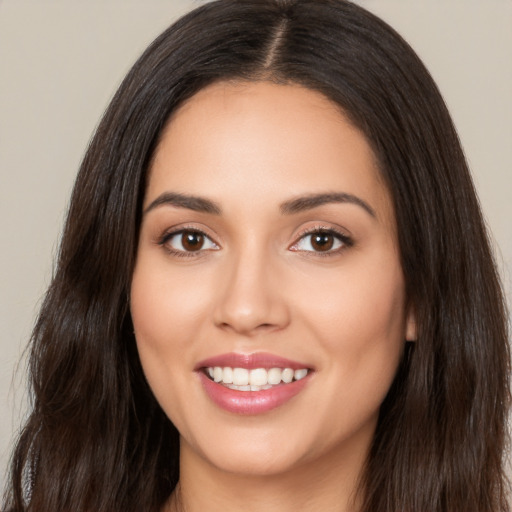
x=217 y=374
x=240 y=376
x=256 y=379
x=227 y=377
x=274 y=376
x=287 y=375
x=300 y=374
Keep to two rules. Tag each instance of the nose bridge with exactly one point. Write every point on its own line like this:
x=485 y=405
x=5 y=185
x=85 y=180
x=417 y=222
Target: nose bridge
x=250 y=300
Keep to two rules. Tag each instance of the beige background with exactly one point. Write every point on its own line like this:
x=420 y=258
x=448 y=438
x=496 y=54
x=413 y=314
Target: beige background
x=60 y=62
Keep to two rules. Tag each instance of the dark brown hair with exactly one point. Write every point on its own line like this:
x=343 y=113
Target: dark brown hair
x=97 y=439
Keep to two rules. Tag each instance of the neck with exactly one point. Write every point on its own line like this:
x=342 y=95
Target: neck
x=329 y=485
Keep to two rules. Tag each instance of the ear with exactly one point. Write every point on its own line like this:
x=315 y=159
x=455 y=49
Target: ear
x=411 y=332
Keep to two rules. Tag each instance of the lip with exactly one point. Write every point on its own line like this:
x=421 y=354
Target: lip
x=251 y=361
x=251 y=402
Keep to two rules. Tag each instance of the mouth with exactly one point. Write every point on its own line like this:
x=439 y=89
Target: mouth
x=252 y=384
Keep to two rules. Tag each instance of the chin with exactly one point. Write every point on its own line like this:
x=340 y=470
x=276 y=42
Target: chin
x=263 y=465
x=256 y=453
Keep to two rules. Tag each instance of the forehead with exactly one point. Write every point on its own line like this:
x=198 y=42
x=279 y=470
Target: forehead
x=270 y=139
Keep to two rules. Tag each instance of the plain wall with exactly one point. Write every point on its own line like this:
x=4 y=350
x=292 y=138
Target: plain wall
x=61 y=61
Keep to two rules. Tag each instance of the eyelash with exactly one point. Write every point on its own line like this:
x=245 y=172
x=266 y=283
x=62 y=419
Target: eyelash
x=345 y=240
x=167 y=236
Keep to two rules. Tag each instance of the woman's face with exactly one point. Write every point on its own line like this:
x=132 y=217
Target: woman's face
x=268 y=253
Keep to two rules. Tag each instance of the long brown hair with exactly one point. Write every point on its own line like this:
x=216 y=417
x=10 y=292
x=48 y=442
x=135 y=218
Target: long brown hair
x=97 y=439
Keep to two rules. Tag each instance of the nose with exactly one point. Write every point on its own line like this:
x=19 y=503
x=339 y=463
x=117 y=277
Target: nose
x=251 y=300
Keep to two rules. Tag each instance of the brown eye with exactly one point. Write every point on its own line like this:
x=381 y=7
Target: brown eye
x=322 y=241
x=192 y=241
x=188 y=241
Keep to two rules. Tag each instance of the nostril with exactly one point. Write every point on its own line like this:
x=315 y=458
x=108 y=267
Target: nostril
x=258 y=328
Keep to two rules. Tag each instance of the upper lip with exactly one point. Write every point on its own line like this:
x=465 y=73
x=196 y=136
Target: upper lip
x=250 y=361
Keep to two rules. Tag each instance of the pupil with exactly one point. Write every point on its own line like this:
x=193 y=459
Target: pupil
x=192 y=241
x=322 y=242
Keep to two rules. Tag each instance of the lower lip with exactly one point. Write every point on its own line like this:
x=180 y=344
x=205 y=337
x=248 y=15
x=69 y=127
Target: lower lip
x=251 y=402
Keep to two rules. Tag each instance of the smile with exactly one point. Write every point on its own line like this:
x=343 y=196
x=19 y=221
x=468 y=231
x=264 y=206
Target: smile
x=251 y=384
x=257 y=379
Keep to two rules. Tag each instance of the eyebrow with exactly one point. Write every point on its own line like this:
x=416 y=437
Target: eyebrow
x=309 y=202
x=300 y=204
x=195 y=203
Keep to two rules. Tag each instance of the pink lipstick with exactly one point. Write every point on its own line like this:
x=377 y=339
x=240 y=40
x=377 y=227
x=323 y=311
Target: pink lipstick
x=252 y=383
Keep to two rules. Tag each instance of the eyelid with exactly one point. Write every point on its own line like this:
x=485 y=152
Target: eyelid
x=170 y=233
x=345 y=239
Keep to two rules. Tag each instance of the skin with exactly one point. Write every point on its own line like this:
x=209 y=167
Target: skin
x=258 y=285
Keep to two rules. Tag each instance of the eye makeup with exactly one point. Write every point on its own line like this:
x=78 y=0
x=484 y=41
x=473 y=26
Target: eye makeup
x=190 y=242
x=323 y=241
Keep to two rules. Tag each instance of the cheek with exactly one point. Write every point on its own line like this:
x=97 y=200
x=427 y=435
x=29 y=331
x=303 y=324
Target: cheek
x=166 y=306
x=359 y=321
x=364 y=303
x=165 y=309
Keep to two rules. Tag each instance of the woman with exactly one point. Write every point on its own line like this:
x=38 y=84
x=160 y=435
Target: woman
x=274 y=287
